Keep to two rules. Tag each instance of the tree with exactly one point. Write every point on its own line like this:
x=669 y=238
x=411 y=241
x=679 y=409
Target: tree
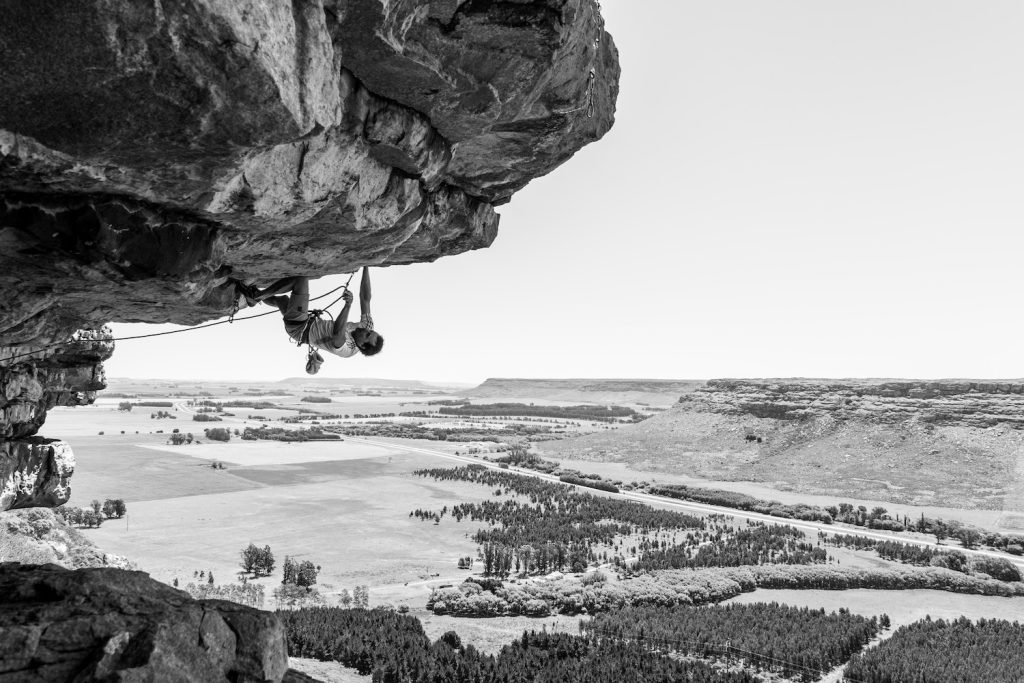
x=452 y=640
x=266 y=560
x=290 y=595
x=345 y=598
x=108 y=508
x=289 y=571
x=305 y=574
x=120 y=509
x=361 y=597
x=218 y=433
x=96 y=506
x=250 y=558
x=210 y=580
x=125 y=406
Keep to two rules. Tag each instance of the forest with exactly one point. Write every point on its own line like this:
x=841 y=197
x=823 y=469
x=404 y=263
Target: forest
x=793 y=641
x=394 y=649
x=562 y=528
x=757 y=544
x=938 y=651
x=555 y=513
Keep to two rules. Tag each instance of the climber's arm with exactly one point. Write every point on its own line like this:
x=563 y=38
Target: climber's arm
x=338 y=331
x=365 y=293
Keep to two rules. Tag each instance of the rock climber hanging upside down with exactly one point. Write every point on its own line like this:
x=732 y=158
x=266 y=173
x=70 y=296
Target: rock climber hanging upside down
x=340 y=337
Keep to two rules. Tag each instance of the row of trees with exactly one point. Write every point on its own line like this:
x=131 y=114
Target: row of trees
x=910 y=553
x=846 y=513
x=282 y=434
x=699 y=587
x=580 y=412
x=93 y=515
x=589 y=483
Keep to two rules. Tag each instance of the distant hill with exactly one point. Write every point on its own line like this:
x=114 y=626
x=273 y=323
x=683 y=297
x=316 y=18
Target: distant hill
x=120 y=384
x=654 y=392
x=956 y=443
x=373 y=382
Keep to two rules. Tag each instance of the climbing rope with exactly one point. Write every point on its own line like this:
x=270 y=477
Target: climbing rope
x=7 y=361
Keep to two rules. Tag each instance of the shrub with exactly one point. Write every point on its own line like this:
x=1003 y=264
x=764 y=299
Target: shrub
x=218 y=434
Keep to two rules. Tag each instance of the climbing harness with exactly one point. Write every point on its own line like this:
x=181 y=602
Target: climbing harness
x=313 y=358
x=6 y=362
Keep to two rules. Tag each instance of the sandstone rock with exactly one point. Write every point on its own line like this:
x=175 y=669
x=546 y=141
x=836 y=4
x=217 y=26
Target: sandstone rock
x=151 y=152
x=35 y=472
x=108 y=624
x=67 y=375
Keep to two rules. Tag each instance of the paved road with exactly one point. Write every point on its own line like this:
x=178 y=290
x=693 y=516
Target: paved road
x=703 y=508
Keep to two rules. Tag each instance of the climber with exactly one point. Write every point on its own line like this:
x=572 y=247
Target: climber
x=340 y=337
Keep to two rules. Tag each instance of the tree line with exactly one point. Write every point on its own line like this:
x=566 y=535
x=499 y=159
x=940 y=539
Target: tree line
x=910 y=553
x=697 y=587
x=579 y=412
x=93 y=515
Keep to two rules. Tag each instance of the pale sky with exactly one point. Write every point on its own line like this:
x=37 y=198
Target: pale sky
x=791 y=188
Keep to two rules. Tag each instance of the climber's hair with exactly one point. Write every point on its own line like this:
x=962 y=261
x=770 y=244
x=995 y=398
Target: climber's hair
x=373 y=349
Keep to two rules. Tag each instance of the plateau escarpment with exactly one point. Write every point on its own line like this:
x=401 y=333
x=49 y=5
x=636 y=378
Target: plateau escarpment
x=657 y=392
x=152 y=153
x=952 y=403
x=953 y=442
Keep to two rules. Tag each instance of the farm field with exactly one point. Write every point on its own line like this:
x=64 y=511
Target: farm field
x=343 y=505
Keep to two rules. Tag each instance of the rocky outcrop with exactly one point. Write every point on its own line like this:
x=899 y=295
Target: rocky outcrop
x=952 y=403
x=152 y=153
x=33 y=470
x=38 y=535
x=109 y=624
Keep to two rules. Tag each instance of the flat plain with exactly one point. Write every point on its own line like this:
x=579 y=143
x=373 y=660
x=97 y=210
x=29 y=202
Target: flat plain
x=345 y=506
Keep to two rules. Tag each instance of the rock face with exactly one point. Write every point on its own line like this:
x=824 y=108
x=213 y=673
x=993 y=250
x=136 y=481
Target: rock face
x=150 y=153
x=109 y=624
x=952 y=403
x=33 y=470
